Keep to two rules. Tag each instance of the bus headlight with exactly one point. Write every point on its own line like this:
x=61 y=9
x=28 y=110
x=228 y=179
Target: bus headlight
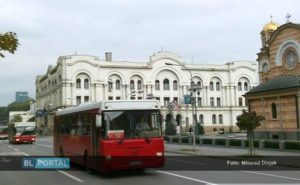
x=17 y=139
x=159 y=154
x=108 y=157
x=32 y=139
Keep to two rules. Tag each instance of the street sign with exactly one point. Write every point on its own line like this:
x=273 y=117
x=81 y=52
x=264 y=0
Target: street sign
x=187 y=99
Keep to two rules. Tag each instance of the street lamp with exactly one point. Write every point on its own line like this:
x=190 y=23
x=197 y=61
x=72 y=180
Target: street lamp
x=194 y=87
x=132 y=93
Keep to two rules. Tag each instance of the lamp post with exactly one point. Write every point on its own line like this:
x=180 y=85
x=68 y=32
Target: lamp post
x=193 y=88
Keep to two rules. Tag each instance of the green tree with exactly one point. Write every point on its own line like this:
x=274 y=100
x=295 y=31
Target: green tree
x=170 y=128
x=8 y=42
x=17 y=118
x=249 y=121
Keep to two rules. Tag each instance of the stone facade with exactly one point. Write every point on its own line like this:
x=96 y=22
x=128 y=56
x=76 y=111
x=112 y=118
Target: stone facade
x=82 y=78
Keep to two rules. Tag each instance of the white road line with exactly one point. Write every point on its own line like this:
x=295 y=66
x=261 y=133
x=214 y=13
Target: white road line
x=9 y=146
x=272 y=175
x=15 y=149
x=24 y=153
x=184 y=177
x=70 y=176
x=48 y=146
x=182 y=161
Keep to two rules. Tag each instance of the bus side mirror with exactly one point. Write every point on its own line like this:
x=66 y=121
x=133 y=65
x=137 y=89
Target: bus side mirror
x=98 y=121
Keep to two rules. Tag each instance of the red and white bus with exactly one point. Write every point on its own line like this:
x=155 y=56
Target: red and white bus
x=21 y=132
x=107 y=135
x=3 y=132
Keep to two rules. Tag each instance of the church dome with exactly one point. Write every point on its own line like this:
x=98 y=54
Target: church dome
x=271 y=26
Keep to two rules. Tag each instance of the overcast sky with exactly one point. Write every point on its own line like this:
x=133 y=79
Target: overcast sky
x=209 y=31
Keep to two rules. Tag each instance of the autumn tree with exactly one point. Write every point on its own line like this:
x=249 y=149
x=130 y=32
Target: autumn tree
x=8 y=43
x=249 y=121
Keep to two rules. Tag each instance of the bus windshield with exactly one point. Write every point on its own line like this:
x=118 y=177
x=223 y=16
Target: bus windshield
x=25 y=130
x=132 y=124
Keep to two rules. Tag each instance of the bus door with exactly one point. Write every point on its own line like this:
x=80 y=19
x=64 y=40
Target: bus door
x=94 y=139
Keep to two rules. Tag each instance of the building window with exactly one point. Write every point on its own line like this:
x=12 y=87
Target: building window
x=214 y=119
x=211 y=86
x=78 y=100
x=132 y=97
x=199 y=84
x=175 y=100
x=110 y=98
x=118 y=98
x=86 y=83
x=166 y=101
x=239 y=86
x=240 y=101
x=78 y=83
x=218 y=86
x=220 y=119
x=110 y=86
x=166 y=84
x=139 y=98
x=156 y=84
x=118 y=84
x=212 y=101
x=246 y=86
x=201 y=119
x=199 y=101
x=175 y=85
x=86 y=98
x=274 y=111
x=218 y=102
x=158 y=98
x=131 y=84
x=246 y=102
x=139 y=84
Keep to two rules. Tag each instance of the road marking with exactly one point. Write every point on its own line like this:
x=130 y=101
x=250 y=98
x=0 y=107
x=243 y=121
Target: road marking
x=15 y=149
x=267 y=174
x=48 y=146
x=184 y=177
x=200 y=164
x=71 y=176
x=9 y=146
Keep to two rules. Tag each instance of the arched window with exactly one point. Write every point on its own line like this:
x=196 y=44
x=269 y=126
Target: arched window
x=246 y=86
x=214 y=119
x=139 y=84
x=218 y=86
x=131 y=84
x=220 y=119
x=78 y=83
x=199 y=84
x=166 y=84
x=156 y=84
x=175 y=85
x=118 y=84
x=110 y=85
x=274 y=111
x=211 y=86
x=201 y=119
x=239 y=86
x=86 y=83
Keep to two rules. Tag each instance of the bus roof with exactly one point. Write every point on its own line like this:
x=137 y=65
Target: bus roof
x=25 y=124
x=113 y=105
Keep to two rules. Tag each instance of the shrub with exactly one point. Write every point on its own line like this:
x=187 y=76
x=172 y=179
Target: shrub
x=235 y=142
x=175 y=139
x=255 y=143
x=271 y=144
x=185 y=139
x=170 y=129
x=220 y=142
x=207 y=141
x=166 y=138
x=292 y=145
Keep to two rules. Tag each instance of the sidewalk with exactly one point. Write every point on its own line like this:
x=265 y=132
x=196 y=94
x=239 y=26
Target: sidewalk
x=221 y=151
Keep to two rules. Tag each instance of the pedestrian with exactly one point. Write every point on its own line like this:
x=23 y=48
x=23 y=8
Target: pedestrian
x=190 y=130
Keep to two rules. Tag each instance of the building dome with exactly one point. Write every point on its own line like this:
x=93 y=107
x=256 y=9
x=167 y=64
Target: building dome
x=271 y=26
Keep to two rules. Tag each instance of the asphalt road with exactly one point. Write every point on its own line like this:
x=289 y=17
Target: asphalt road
x=150 y=176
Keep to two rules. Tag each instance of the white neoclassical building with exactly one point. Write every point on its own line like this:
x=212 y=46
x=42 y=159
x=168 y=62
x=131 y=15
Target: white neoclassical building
x=83 y=78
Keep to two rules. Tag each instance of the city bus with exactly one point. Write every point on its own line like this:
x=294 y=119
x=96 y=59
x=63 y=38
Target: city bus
x=3 y=132
x=21 y=132
x=105 y=135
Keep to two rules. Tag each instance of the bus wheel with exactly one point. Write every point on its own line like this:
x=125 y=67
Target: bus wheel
x=61 y=151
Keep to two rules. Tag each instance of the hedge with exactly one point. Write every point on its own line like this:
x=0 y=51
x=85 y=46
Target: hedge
x=255 y=143
x=175 y=139
x=234 y=142
x=207 y=141
x=271 y=144
x=185 y=139
x=292 y=145
x=220 y=142
x=166 y=138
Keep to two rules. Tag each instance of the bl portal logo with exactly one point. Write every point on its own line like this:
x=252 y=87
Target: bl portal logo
x=45 y=163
